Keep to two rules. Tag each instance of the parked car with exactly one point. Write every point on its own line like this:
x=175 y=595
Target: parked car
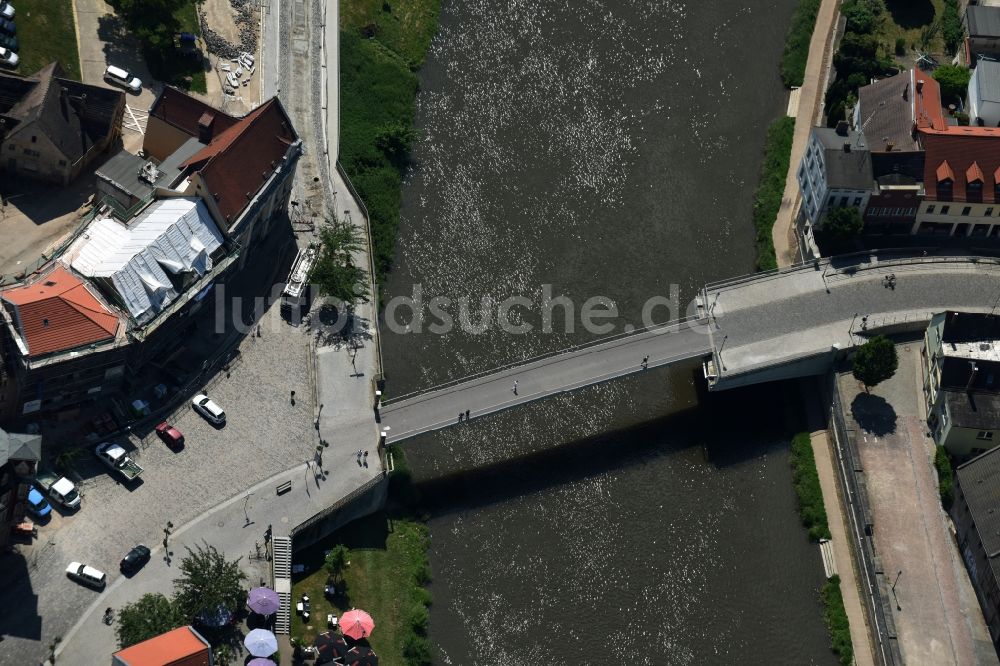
x=173 y=437
x=120 y=77
x=208 y=409
x=60 y=489
x=9 y=42
x=37 y=503
x=135 y=560
x=8 y=26
x=8 y=57
x=6 y=10
x=88 y=576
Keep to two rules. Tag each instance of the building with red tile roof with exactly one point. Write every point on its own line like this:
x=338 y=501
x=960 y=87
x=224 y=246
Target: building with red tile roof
x=181 y=647
x=961 y=181
x=57 y=313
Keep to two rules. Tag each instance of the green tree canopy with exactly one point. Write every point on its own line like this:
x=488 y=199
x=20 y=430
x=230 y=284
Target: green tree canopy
x=875 y=361
x=334 y=272
x=843 y=223
x=154 y=22
x=336 y=560
x=209 y=583
x=954 y=80
x=151 y=615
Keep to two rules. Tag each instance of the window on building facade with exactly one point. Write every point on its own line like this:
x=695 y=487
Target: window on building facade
x=31 y=153
x=986 y=435
x=843 y=201
x=966 y=210
x=832 y=201
x=988 y=212
x=857 y=201
x=945 y=209
x=930 y=209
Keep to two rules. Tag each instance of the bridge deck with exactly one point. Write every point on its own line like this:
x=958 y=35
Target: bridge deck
x=544 y=377
x=775 y=319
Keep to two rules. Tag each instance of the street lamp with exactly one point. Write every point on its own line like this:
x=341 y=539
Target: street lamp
x=245 y=514
x=898 y=607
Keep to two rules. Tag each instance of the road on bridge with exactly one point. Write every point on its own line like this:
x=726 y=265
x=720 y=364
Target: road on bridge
x=493 y=391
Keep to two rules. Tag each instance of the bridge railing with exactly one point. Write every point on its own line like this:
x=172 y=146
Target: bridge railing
x=857 y=261
x=676 y=323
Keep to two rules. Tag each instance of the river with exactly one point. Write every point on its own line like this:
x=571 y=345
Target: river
x=599 y=149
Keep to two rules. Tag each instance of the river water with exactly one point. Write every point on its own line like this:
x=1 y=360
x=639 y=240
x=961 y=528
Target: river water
x=599 y=148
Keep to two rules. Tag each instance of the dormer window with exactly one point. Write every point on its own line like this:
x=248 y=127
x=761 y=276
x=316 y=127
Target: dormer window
x=974 y=182
x=945 y=180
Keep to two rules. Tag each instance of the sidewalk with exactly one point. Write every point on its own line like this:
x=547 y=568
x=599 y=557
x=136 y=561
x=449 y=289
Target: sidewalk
x=809 y=110
x=826 y=468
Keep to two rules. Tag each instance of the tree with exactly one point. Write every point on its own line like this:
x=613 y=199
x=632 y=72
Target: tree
x=154 y=22
x=395 y=141
x=954 y=79
x=210 y=583
x=151 y=615
x=860 y=18
x=334 y=272
x=336 y=560
x=843 y=223
x=875 y=361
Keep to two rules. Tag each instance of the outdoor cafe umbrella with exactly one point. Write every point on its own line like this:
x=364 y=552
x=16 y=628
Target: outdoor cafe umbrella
x=261 y=643
x=361 y=656
x=329 y=646
x=263 y=601
x=357 y=624
x=260 y=661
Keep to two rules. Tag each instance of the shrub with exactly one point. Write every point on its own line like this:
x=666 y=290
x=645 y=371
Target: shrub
x=951 y=25
x=419 y=617
x=860 y=18
x=836 y=620
x=805 y=481
x=843 y=223
x=770 y=190
x=954 y=80
x=796 y=54
x=946 y=478
x=417 y=651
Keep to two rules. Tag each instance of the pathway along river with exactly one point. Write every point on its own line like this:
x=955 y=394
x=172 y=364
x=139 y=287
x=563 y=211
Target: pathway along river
x=604 y=148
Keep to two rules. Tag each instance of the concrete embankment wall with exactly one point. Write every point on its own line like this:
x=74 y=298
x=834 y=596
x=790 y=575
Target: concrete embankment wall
x=364 y=501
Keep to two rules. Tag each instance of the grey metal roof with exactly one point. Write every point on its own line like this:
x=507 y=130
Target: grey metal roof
x=17 y=446
x=886 y=113
x=980 y=482
x=987 y=75
x=978 y=410
x=123 y=169
x=846 y=170
x=983 y=21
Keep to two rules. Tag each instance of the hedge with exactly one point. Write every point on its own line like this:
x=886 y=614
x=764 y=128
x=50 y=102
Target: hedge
x=796 y=54
x=805 y=480
x=836 y=620
x=771 y=188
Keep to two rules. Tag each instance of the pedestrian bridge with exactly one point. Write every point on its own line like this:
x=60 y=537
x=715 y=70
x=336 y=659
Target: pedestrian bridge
x=792 y=322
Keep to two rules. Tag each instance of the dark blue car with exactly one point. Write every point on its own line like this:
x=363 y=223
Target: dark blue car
x=7 y=26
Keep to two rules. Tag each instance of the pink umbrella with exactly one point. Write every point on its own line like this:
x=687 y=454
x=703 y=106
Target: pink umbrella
x=357 y=624
x=260 y=661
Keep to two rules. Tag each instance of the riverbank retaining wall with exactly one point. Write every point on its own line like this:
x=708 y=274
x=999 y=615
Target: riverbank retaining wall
x=364 y=501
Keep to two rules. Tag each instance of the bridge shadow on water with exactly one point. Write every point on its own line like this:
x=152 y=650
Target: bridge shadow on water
x=726 y=429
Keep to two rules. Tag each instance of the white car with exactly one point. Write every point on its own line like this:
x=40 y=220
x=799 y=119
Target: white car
x=8 y=57
x=120 y=77
x=88 y=576
x=211 y=411
x=6 y=10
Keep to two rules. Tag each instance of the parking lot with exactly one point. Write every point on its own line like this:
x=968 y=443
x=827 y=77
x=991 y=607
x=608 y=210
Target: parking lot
x=264 y=434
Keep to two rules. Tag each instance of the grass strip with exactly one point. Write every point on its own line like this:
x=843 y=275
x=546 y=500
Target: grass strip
x=836 y=620
x=381 y=46
x=805 y=480
x=796 y=53
x=771 y=188
x=46 y=31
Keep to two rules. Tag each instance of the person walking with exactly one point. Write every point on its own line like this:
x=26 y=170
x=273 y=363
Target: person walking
x=645 y=361
x=466 y=415
x=514 y=388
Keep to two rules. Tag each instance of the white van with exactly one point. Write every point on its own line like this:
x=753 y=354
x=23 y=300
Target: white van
x=88 y=576
x=120 y=77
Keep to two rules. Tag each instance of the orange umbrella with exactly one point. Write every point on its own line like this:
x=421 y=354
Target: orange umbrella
x=357 y=624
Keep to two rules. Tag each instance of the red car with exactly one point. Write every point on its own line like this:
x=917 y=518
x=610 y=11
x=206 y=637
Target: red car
x=169 y=434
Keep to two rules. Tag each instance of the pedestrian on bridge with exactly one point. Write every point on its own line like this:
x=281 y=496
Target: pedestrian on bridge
x=645 y=361
x=514 y=389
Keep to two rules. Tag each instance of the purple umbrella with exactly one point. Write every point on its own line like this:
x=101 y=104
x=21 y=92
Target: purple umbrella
x=260 y=661
x=263 y=601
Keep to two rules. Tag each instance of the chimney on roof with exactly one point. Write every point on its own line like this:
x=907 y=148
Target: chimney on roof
x=205 y=125
x=920 y=85
x=842 y=128
x=889 y=146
